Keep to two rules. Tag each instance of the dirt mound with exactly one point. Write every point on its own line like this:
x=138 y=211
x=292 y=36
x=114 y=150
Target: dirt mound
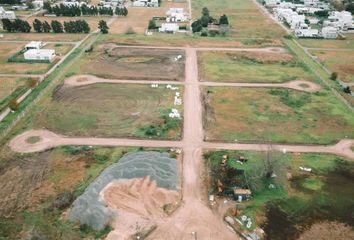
x=89 y=208
x=140 y=204
x=328 y=230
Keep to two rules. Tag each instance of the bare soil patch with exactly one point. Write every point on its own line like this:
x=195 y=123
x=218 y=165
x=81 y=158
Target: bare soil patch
x=109 y=61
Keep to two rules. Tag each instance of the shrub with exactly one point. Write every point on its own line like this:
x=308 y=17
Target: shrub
x=14 y=104
x=334 y=76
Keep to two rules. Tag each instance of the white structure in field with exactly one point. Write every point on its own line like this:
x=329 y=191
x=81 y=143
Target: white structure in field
x=7 y=14
x=329 y=32
x=176 y=15
x=146 y=3
x=37 y=4
x=342 y=20
x=169 y=27
x=33 y=45
x=271 y=3
x=40 y=54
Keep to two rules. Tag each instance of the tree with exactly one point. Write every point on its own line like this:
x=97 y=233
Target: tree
x=224 y=20
x=21 y=26
x=152 y=24
x=205 y=12
x=7 y=25
x=102 y=25
x=37 y=26
x=334 y=76
x=47 y=6
x=350 y=8
x=307 y=21
x=57 y=26
x=46 y=27
x=204 y=20
x=29 y=4
x=197 y=26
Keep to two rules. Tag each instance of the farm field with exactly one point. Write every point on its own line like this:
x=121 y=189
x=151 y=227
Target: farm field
x=9 y=49
x=245 y=18
x=294 y=191
x=347 y=43
x=138 y=18
x=338 y=61
x=91 y=20
x=283 y=116
x=110 y=110
x=251 y=67
x=109 y=61
x=36 y=189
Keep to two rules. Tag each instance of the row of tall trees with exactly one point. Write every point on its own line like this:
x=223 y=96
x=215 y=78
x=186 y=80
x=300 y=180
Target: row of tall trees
x=72 y=11
x=16 y=25
x=206 y=19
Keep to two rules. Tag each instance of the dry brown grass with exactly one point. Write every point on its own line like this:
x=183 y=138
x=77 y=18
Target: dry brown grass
x=50 y=37
x=9 y=84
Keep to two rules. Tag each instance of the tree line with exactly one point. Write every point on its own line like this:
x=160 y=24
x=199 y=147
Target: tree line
x=18 y=25
x=205 y=19
x=72 y=11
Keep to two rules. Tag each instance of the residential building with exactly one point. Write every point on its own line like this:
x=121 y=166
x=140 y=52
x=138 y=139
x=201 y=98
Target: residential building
x=37 y=4
x=176 y=15
x=241 y=194
x=40 y=54
x=329 y=32
x=7 y=14
x=307 y=33
x=146 y=3
x=271 y=3
x=342 y=20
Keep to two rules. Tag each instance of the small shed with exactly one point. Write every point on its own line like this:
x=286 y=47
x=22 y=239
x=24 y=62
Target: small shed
x=242 y=194
x=40 y=54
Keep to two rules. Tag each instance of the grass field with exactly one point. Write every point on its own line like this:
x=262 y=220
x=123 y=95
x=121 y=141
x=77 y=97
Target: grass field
x=9 y=49
x=50 y=37
x=347 y=43
x=245 y=18
x=110 y=110
x=275 y=115
x=340 y=62
x=10 y=84
x=251 y=67
x=110 y=61
x=138 y=17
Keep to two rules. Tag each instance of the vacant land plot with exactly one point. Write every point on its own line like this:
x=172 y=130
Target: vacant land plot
x=276 y=115
x=138 y=17
x=9 y=49
x=109 y=61
x=251 y=67
x=340 y=62
x=347 y=43
x=10 y=87
x=50 y=37
x=110 y=110
x=91 y=20
x=246 y=19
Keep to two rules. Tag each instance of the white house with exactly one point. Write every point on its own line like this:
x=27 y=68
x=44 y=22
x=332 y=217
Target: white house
x=34 y=45
x=329 y=32
x=7 y=14
x=307 y=32
x=342 y=20
x=40 y=54
x=271 y=3
x=169 y=27
x=176 y=15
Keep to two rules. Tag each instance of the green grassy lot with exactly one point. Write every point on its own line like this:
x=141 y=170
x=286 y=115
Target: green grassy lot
x=109 y=110
x=276 y=115
x=251 y=67
x=300 y=196
x=33 y=200
x=10 y=87
x=347 y=43
x=245 y=18
x=340 y=62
